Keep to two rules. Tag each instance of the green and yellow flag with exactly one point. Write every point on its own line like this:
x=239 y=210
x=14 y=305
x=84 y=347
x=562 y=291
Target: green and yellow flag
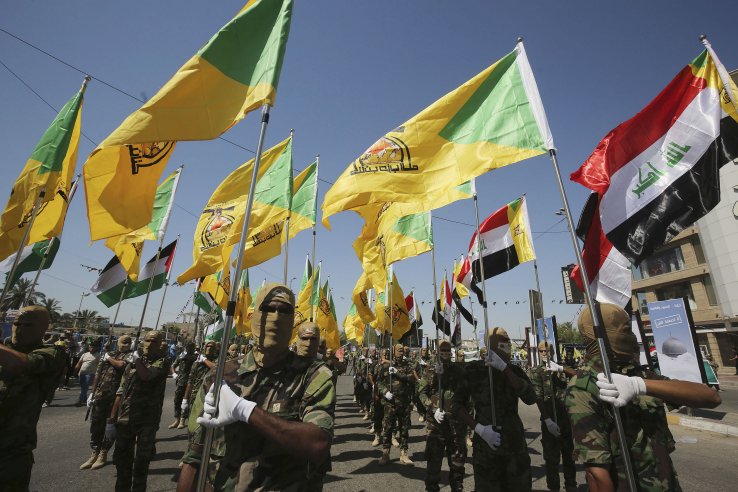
x=244 y=301
x=128 y=247
x=304 y=200
x=218 y=285
x=361 y=300
x=219 y=227
x=50 y=169
x=272 y=201
x=353 y=326
x=398 y=311
x=309 y=294
x=493 y=120
x=326 y=319
x=235 y=72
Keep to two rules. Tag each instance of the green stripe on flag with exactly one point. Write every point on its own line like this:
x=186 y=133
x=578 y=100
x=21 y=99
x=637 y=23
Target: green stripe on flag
x=303 y=200
x=416 y=226
x=52 y=148
x=275 y=186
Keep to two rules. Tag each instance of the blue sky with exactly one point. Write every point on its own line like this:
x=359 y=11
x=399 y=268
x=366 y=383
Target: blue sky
x=353 y=71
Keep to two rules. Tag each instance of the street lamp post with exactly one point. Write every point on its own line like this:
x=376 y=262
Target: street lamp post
x=79 y=309
x=293 y=278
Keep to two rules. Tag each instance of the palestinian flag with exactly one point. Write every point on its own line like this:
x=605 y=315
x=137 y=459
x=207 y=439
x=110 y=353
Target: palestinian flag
x=444 y=306
x=659 y=172
x=205 y=301
x=32 y=257
x=506 y=242
x=608 y=270
x=109 y=285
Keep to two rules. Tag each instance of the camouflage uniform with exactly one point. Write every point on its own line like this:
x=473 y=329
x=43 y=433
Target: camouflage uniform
x=421 y=366
x=21 y=398
x=138 y=420
x=195 y=378
x=551 y=387
x=377 y=412
x=447 y=438
x=644 y=421
x=108 y=381
x=298 y=389
x=507 y=467
x=182 y=367
x=398 y=410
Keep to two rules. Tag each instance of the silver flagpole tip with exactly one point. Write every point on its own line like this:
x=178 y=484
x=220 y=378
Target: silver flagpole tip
x=703 y=37
x=520 y=39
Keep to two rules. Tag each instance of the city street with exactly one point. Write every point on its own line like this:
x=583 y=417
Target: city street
x=703 y=459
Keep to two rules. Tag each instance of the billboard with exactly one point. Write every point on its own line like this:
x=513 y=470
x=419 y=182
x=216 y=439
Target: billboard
x=572 y=293
x=674 y=336
x=546 y=330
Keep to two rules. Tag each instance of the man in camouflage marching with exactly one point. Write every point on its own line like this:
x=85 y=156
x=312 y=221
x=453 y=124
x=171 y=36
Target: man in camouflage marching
x=395 y=379
x=136 y=413
x=363 y=394
x=28 y=370
x=445 y=433
x=336 y=366
x=377 y=409
x=640 y=395
x=182 y=367
x=501 y=460
x=276 y=408
x=202 y=365
x=555 y=428
x=104 y=387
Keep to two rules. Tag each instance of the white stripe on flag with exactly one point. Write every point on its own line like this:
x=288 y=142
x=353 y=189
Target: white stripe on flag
x=534 y=97
x=698 y=126
x=494 y=240
x=111 y=278
x=612 y=284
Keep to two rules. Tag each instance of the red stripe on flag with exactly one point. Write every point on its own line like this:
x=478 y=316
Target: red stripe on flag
x=631 y=138
x=497 y=219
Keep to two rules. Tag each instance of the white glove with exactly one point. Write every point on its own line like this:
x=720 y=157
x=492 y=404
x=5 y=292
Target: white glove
x=554 y=367
x=552 y=427
x=495 y=361
x=622 y=390
x=488 y=434
x=174 y=375
x=110 y=432
x=200 y=358
x=439 y=415
x=362 y=357
x=105 y=356
x=369 y=360
x=133 y=357
x=423 y=363
x=438 y=367
x=89 y=400
x=388 y=396
x=319 y=356
x=393 y=370
x=185 y=405
x=231 y=408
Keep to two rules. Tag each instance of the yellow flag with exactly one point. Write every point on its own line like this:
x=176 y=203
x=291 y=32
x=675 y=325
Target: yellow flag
x=360 y=299
x=326 y=319
x=220 y=224
x=50 y=169
x=460 y=288
x=235 y=72
x=241 y=319
x=309 y=294
x=353 y=326
x=218 y=285
x=398 y=311
x=493 y=120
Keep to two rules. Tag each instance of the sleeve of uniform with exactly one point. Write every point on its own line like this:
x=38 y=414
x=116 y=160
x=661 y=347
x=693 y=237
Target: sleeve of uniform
x=589 y=424
x=527 y=394
x=320 y=400
x=381 y=380
x=535 y=380
x=423 y=389
x=461 y=394
x=123 y=380
x=42 y=361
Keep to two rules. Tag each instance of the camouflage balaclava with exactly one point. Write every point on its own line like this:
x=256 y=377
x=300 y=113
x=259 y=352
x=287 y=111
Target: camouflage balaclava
x=623 y=345
x=424 y=353
x=151 y=347
x=233 y=350
x=398 y=352
x=545 y=350
x=444 y=351
x=499 y=341
x=308 y=337
x=460 y=355
x=30 y=325
x=271 y=325
x=124 y=343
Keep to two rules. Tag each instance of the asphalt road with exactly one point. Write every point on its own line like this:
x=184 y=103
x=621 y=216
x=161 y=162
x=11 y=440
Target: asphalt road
x=705 y=461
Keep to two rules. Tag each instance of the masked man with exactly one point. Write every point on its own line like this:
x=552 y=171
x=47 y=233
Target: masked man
x=182 y=367
x=106 y=383
x=308 y=337
x=555 y=428
x=363 y=394
x=233 y=352
x=445 y=433
x=336 y=366
x=396 y=381
x=640 y=394
x=203 y=364
x=501 y=460
x=276 y=408
x=134 y=418
x=28 y=371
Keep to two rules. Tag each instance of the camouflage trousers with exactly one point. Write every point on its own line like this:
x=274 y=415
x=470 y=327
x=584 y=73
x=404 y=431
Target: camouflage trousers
x=396 y=412
x=15 y=470
x=178 y=397
x=445 y=440
x=98 y=418
x=558 y=449
x=134 y=450
x=500 y=473
x=377 y=414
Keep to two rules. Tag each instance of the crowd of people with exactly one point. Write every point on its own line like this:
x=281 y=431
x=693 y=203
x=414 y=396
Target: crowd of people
x=273 y=423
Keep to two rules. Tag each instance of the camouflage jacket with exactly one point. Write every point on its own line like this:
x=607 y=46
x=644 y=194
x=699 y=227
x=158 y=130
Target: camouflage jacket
x=196 y=376
x=108 y=377
x=428 y=392
x=545 y=383
x=475 y=385
x=182 y=366
x=644 y=420
x=299 y=389
x=402 y=381
x=21 y=398
x=141 y=401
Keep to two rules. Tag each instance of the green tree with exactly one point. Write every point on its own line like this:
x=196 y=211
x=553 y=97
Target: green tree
x=18 y=294
x=86 y=319
x=568 y=333
x=52 y=306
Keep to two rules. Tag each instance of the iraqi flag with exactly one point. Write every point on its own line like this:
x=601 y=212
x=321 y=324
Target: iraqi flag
x=659 y=172
x=506 y=242
x=416 y=321
x=444 y=306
